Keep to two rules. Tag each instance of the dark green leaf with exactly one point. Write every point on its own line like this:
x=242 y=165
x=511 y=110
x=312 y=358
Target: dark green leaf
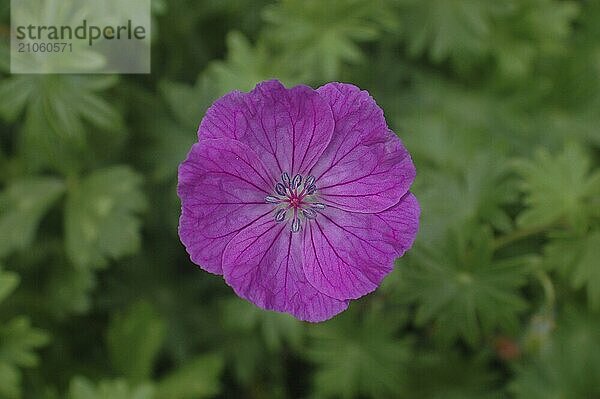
x=22 y=205
x=81 y=388
x=8 y=282
x=134 y=339
x=194 y=380
x=570 y=364
x=358 y=357
x=18 y=341
x=460 y=288
x=577 y=257
x=101 y=216
x=559 y=187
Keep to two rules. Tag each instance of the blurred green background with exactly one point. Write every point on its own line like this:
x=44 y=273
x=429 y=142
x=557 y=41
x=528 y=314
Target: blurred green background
x=499 y=103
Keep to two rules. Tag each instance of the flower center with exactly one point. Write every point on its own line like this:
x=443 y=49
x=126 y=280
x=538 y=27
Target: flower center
x=295 y=199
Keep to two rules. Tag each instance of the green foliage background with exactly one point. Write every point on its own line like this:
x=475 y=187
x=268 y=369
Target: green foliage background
x=499 y=103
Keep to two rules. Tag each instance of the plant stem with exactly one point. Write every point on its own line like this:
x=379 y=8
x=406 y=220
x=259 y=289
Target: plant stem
x=517 y=235
x=548 y=288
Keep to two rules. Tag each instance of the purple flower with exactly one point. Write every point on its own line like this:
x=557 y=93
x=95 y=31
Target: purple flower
x=298 y=197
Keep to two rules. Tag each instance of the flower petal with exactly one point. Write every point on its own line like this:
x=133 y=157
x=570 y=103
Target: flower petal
x=263 y=265
x=347 y=255
x=288 y=128
x=365 y=167
x=222 y=187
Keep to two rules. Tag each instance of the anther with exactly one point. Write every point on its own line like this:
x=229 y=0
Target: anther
x=296 y=182
x=310 y=189
x=280 y=215
x=286 y=179
x=272 y=200
x=280 y=189
x=309 y=181
x=296 y=225
x=317 y=205
x=309 y=213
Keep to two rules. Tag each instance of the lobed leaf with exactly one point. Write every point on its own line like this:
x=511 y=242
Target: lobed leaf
x=82 y=388
x=196 y=379
x=577 y=257
x=462 y=290
x=134 y=339
x=560 y=188
x=568 y=367
x=18 y=341
x=325 y=33
x=8 y=283
x=22 y=205
x=101 y=216
x=358 y=357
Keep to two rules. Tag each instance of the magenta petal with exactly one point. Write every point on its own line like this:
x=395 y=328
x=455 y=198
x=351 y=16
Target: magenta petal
x=365 y=167
x=288 y=128
x=263 y=265
x=347 y=255
x=222 y=187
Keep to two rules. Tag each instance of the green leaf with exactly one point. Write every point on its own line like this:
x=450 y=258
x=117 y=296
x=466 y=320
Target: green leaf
x=134 y=339
x=189 y=103
x=460 y=288
x=8 y=283
x=22 y=205
x=196 y=379
x=67 y=100
x=358 y=357
x=101 y=216
x=10 y=381
x=10 y=377
x=577 y=257
x=468 y=32
x=447 y=124
x=477 y=193
x=69 y=288
x=263 y=338
x=81 y=388
x=169 y=145
x=531 y=28
x=276 y=329
x=559 y=188
x=445 y=29
x=59 y=109
x=18 y=340
x=324 y=34
x=450 y=375
x=245 y=66
x=18 y=89
x=173 y=133
x=569 y=365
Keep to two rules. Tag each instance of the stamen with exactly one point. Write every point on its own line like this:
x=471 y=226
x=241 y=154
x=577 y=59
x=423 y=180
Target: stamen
x=296 y=182
x=272 y=200
x=293 y=200
x=317 y=205
x=309 y=213
x=280 y=215
x=280 y=188
x=296 y=225
x=286 y=179
x=309 y=181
